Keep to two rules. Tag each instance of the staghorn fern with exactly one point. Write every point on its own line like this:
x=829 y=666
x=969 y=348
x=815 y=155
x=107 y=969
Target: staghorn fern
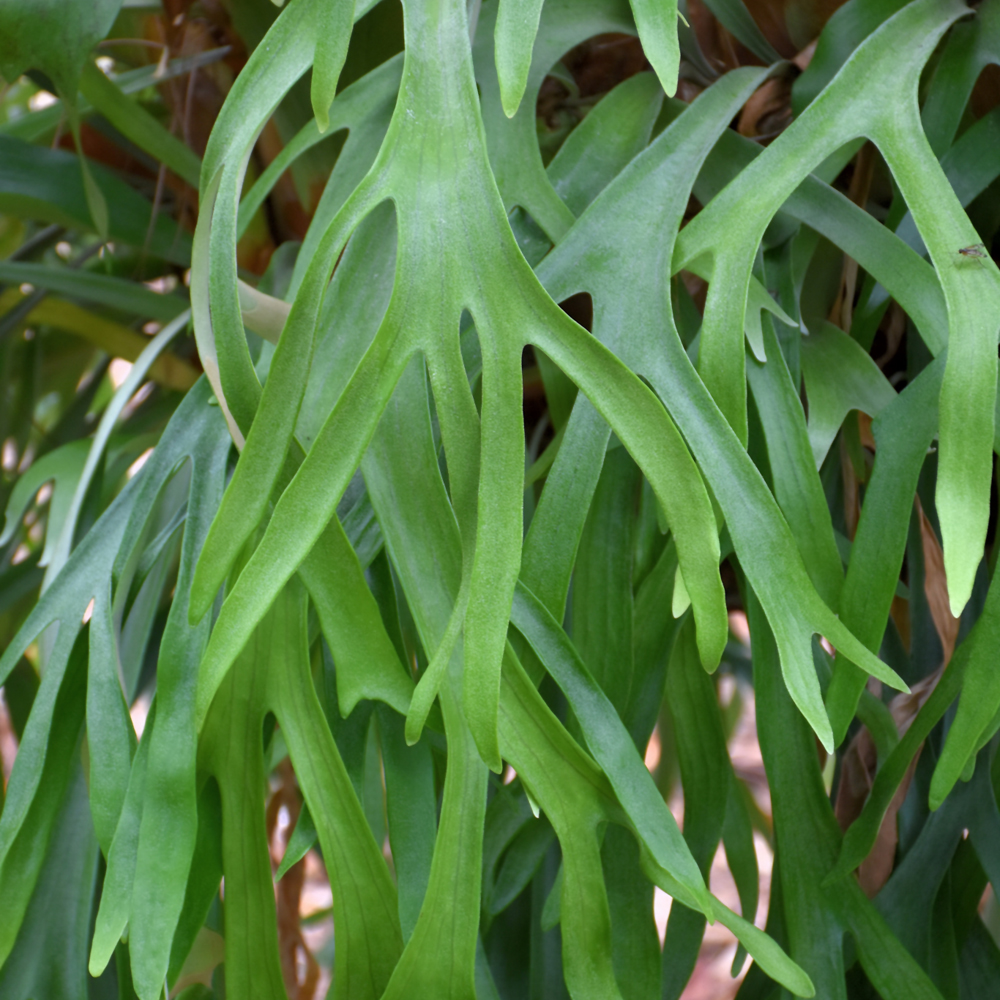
x=371 y=586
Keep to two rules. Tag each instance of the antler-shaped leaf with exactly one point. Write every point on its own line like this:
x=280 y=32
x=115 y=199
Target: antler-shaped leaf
x=425 y=156
x=889 y=115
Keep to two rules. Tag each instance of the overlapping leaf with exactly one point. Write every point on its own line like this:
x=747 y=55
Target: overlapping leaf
x=488 y=510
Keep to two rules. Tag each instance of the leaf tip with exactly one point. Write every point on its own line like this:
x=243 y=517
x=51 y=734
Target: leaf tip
x=510 y=101
x=820 y=724
x=956 y=603
x=806 y=988
x=199 y=603
x=481 y=709
x=942 y=783
x=414 y=726
x=321 y=96
x=963 y=535
x=489 y=748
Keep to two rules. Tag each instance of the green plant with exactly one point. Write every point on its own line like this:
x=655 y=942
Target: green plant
x=401 y=585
